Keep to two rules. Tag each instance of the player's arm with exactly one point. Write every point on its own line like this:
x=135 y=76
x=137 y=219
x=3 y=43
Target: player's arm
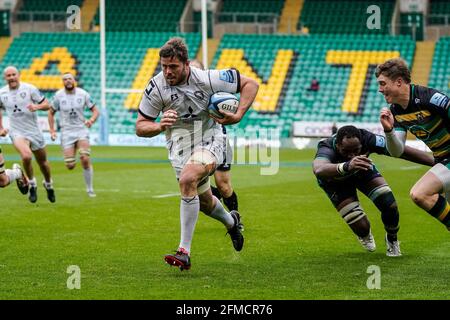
x=39 y=101
x=146 y=127
x=232 y=81
x=324 y=166
x=417 y=156
x=51 y=123
x=3 y=131
x=93 y=118
x=395 y=139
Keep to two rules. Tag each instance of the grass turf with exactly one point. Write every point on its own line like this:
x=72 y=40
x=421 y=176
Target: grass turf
x=296 y=244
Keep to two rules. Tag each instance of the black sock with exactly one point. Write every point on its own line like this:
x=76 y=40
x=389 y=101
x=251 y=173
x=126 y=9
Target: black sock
x=216 y=192
x=231 y=202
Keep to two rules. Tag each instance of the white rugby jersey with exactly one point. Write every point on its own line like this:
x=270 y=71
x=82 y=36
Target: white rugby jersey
x=190 y=100
x=16 y=103
x=72 y=106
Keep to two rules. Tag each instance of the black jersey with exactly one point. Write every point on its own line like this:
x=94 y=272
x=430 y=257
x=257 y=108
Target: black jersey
x=370 y=143
x=426 y=117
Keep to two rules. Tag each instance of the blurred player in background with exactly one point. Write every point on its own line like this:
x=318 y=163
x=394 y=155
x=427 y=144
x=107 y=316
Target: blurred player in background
x=342 y=166
x=425 y=113
x=195 y=141
x=71 y=103
x=21 y=101
x=222 y=175
x=7 y=176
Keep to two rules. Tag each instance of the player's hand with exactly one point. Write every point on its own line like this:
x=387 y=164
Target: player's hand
x=88 y=123
x=360 y=163
x=3 y=132
x=53 y=135
x=33 y=107
x=228 y=118
x=168 y=119
x=387 y=119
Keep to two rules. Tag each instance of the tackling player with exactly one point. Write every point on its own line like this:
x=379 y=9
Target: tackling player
x=342 y=166
x=15 y=174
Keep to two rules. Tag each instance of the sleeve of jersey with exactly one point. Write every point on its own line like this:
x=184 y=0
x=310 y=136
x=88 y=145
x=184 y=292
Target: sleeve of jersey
x=150 y=105
x=89 y=102
x=36 y=95
x=227 y=80
x=377 y=144
x=437 y=101
x=55 y=103
x=324 y=153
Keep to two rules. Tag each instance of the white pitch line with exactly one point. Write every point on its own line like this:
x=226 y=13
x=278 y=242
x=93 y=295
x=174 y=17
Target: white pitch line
x=411 y=168
x=166 y=195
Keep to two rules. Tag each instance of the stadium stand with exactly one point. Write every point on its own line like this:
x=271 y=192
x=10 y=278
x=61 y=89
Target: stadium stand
x=439 y=7
x=42 y=57
x=440 y=70
x=241 y=10
x=143 y=15
x=343 y=17
x=44 y=8
x=285 y=66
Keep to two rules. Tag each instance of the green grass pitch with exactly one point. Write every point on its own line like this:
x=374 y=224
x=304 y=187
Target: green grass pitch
x=296 y=244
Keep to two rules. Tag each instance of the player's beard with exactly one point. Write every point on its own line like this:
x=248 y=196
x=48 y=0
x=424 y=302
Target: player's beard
x=70 y=89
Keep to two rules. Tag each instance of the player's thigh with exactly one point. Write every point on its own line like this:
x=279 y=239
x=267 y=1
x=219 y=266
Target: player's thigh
x=435 y=180
x=370 y=186
x=83 y=147
x=222 y=177
x=40 y=155
x=340 y=193
x=23 y=146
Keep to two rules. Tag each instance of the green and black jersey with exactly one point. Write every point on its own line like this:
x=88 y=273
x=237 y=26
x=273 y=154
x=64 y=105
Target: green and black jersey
x=427 y=117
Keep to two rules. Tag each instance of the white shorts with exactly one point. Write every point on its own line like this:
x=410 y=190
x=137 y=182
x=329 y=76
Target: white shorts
x=70 y=138
x=37 y=141
x=215 y=148
x=442 y=172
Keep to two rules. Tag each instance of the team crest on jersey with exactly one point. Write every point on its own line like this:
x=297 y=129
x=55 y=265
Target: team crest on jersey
x=420 y=132
x=199 y=95
x=420 y=117
x=79 y=100
x=64 y=102
x=23 y=95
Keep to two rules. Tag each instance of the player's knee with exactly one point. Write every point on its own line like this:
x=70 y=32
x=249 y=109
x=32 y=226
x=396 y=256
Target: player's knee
x=27 y=157
x=225 y=189
x=70 y=163
x=352 y=213
x=188 y=181
x=417 y=196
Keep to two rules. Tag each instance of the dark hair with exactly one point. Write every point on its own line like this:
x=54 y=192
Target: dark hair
x=393 y=69
x=347 y=132
x=174 y=48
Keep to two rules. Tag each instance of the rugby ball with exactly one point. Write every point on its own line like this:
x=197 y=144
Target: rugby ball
x=222 y=101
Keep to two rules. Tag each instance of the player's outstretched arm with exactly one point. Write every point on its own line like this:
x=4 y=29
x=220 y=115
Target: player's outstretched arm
x=395 y=141
x=418 y=156
x=51 y=124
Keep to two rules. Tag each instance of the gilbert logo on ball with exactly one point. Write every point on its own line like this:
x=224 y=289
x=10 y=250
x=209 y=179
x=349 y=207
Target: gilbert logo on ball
x=222 y=101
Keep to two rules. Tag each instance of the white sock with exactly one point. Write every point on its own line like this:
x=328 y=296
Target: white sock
x=189 y=209
x=13 y=174
x=89 y=179
x=33 y=182
x=219 y=213
x=48 y=185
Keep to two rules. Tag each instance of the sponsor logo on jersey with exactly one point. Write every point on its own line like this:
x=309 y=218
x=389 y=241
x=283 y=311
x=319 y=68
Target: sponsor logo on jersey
x=438 y=99
x=380 y=141
x=227 y=76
